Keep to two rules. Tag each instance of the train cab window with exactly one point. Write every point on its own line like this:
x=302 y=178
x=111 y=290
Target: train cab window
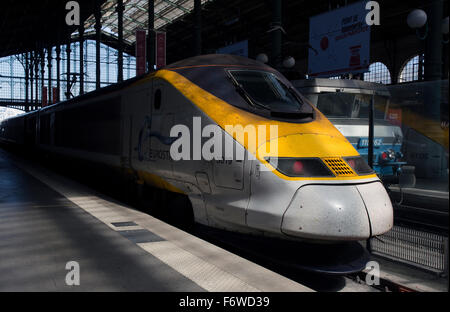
x=350 y=105
x=335 y=105
x=265 y=90
x=157 y=99
x=362 y=106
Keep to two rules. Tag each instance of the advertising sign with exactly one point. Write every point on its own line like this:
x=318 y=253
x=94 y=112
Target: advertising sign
x=160 y=49
x=140 y=52
x=238 y=48
x=340 y=42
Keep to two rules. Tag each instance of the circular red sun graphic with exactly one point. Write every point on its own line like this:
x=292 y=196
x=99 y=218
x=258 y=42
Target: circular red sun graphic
x=324 y=43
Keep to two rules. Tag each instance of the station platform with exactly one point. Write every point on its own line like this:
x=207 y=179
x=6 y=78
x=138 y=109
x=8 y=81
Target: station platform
x=47 y=220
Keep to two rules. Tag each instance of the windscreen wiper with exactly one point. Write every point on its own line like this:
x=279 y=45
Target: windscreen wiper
x=291 y=89
x=240 y=89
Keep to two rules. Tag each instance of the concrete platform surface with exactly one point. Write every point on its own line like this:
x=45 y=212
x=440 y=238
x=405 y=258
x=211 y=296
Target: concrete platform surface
x=47 y=220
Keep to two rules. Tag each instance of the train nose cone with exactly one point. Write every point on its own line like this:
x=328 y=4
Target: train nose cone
x=338 y=212
x=379 y=207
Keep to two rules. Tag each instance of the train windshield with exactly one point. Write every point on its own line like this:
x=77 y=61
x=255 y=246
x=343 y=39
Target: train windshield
x=350 y=105
x=265 y=90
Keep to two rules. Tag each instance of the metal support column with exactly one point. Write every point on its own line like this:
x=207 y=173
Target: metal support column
x=36 y=78
x=151 y=36
x=42 y=59
x=433 y=58
x=198 y=27
x=276 y=29
x=81 y=32
x=31 y=79
x=58 y=73
x=49 y=67
x=371 y=131
x=120 y=8
x=27 y=77
x=68 y=51
x=98 y=39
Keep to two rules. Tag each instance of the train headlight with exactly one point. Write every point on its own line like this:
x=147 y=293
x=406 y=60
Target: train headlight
x=359 y=165
x=301 y=167
x=388 y=155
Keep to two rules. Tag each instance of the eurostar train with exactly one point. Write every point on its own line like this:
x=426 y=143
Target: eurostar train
x=315 y=187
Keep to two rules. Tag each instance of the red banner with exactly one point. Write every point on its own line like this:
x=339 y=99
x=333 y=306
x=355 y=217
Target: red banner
x=55 y=92
x=160 y=49
x=141 y=48
x=44 y=96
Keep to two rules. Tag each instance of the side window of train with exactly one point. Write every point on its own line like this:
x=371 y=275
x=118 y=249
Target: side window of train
x=157 y=99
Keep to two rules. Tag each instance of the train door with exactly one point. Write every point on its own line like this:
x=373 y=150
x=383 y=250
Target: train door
x=161 y=122
x=231 y=187
x=136 y=107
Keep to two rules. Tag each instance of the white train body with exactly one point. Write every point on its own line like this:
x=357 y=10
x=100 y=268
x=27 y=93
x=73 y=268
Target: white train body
x=128 y=128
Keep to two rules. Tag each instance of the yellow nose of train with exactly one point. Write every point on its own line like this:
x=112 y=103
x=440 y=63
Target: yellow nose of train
x=307 y=180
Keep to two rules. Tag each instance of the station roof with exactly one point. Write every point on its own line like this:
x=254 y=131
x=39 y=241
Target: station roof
x=136 y=16
x=26 y=25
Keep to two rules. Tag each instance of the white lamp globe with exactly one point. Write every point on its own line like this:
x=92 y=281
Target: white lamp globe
x=289 y=62
x=262 y=57
x=417 y=19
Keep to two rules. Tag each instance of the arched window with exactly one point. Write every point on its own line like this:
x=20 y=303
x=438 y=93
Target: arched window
x=410 y=72
x=378 y=72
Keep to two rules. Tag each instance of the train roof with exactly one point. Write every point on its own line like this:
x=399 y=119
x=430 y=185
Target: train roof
x=196 y=61
x=217 y=60
x=319 y=85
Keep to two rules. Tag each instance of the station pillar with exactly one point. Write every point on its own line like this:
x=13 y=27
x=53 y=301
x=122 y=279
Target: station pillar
x=276 y=32
x=68 y=71
x=36 y=78
x=49 y=68
x=98 y=39
x=42 y=60
x=151 y=36
x=433 y=59
x=30 y=68
x=198 y=27
x=58 y=73
x=27 y=82
x=120 y=8
x=81 y=32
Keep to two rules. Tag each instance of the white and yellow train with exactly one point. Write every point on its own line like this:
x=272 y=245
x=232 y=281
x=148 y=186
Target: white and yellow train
x=320 y=190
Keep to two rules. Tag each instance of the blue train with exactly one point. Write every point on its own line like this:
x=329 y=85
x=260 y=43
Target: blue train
x=346 y=103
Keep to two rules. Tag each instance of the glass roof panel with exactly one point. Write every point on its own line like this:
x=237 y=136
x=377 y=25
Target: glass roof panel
x=136 y=16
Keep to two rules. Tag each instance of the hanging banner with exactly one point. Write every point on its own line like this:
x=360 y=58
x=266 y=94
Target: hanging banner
x=160 y=49
x=141 y=48
x=339 y=42
x=55 y=93
x=44 y=96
